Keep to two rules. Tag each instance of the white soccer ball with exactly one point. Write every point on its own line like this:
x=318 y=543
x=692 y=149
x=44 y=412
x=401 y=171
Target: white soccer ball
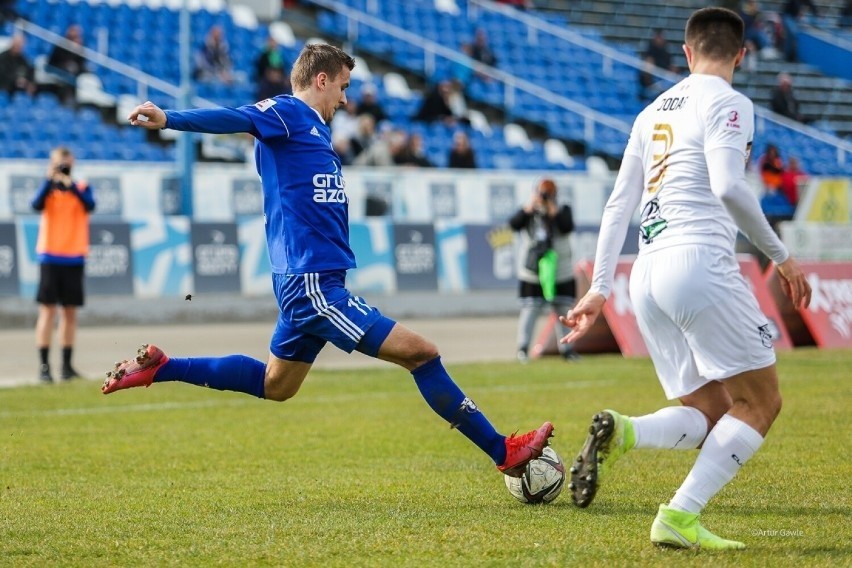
x=542 y=480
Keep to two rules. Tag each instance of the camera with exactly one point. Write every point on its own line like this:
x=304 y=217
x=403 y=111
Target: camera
x=64 y=169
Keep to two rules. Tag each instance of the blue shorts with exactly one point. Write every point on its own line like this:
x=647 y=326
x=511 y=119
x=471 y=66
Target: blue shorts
x=316 y=308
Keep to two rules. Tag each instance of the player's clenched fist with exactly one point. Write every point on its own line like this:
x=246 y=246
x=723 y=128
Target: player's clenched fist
x=148 y=115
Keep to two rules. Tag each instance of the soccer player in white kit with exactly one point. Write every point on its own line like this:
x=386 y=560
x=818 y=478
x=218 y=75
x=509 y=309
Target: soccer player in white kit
x=684 y=165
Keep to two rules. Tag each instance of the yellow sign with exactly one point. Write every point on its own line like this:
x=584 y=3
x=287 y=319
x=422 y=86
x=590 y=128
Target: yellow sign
x=830 y=203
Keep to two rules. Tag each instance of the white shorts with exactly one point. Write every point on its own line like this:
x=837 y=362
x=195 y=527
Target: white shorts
x=698 y=316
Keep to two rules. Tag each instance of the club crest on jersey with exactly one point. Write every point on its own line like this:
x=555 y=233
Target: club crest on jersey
x=652 y=223
x=264 y=105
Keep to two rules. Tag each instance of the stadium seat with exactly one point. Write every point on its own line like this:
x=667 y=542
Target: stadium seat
x=90 y=91
x=516 y=137
x=396 y=86
x=361 y=72
x=243 y=16
x=555 y=152
x=479 y=122
x=447 y=7
x=282 y=33
x=596 y=166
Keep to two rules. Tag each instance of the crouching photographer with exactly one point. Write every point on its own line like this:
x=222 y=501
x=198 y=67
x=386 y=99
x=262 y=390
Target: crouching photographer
x=63 y=242
x=545 y=267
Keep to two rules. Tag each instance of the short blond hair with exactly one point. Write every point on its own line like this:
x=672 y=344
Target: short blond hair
x=317 y=58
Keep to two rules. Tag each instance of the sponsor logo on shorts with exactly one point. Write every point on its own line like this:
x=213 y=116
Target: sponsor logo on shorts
x=765 y=335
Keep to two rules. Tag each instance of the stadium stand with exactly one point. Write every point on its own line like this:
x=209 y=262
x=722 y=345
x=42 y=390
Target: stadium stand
x=580 y=63
x=589 y=74
x=825 y=99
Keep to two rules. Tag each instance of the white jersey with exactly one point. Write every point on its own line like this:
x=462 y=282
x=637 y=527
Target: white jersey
x=670 y=137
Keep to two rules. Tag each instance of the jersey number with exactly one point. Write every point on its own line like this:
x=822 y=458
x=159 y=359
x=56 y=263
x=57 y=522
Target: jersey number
x=662 y=138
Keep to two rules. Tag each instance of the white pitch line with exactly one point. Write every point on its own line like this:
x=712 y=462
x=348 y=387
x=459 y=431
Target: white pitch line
x=343 y=397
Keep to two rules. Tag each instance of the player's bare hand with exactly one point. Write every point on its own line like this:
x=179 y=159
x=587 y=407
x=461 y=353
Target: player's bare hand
x=581 y=318
x=794 y=283
x=148 y=115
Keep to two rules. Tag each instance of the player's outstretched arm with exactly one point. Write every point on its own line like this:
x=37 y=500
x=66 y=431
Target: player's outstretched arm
x=220 y=120
x=581 y=318
x=794 y=283
x=148 y=115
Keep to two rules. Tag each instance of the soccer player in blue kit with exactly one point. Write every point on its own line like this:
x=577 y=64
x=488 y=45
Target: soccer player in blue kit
x=307 y=232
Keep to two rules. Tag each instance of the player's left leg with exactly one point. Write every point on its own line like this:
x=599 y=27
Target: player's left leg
x=734 y=439
x=420 y=356
x=729 y=341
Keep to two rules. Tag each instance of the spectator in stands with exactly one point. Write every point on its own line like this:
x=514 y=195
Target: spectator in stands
x=414 y=154
x=755 y=37
x=481 y=49
x=365 y=135
x=68 y=63
x=791 y=14
x=776 y=208
x=771 y=168
x=783 y=101
x=445 y=102
x=213 y=60
x=369 y=103
x=16 y=73
x=271 y=72
x=545 y=267
x=345 y=122
x=774 y=202
x=649 y=85
x=63 y=242
x=7 y=12
x=342 y=146
x=461 y=153
x=659 y=52
x=385 y=151
x=846 y=15
x=435 y=105
x=791 y=180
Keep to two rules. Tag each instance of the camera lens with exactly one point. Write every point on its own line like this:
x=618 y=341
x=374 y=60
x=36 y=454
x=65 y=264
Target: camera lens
x=64 y=169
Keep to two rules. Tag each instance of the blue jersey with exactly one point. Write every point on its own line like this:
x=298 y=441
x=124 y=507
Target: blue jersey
x=304 y=197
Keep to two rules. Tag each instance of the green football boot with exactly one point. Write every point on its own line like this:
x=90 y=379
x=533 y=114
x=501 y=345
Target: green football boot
x=680 y=529
x=610 y=437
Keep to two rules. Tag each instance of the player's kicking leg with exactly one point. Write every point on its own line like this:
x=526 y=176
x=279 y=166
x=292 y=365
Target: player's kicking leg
x=406 y=348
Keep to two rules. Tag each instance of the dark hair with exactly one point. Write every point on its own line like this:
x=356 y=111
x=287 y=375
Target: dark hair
x=716 y=33
x=318 y=58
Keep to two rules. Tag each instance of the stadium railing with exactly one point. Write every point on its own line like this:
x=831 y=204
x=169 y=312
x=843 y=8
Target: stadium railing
x=592 y=119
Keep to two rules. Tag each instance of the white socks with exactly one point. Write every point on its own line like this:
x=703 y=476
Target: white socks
x=728 y=447
x=671 y=428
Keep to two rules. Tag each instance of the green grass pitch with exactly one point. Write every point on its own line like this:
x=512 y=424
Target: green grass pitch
x=357 y=471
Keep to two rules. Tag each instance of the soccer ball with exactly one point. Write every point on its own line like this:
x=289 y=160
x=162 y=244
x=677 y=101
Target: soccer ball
x=542 y=480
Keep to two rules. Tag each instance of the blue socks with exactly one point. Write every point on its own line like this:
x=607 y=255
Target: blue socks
x=233 y=373
x=449 y=402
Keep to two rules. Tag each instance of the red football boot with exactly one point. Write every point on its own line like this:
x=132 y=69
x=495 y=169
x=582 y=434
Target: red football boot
x=138 y=372
x=520 y=450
